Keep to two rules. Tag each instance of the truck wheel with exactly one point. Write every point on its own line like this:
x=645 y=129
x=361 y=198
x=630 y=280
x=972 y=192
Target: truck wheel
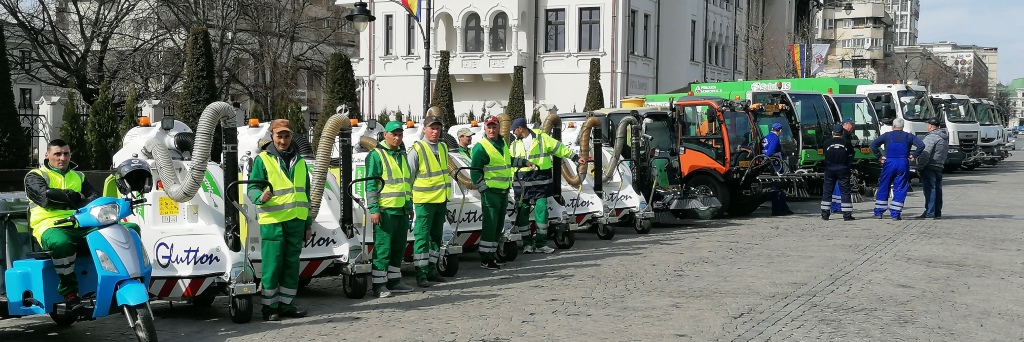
x=355 y=285
x=707 y=184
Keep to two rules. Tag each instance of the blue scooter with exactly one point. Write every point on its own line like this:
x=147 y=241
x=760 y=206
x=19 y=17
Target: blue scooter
x=112 y=277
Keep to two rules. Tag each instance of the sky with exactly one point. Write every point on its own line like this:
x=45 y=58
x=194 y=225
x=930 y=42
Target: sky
x=990 y=23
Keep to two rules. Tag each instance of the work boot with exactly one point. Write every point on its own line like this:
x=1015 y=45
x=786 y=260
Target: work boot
x=422 y=282
x=437 y=279
x=73 y=303
x=825 y=214
x=400 y=288
x=897 y=218
x=489 y=265
x=271 y=315
x=546 y=250
x=848 y=218
x=294 y=313
x=381 y=293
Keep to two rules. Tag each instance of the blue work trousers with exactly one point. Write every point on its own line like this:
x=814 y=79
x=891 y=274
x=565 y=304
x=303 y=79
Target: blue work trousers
x=895 y=176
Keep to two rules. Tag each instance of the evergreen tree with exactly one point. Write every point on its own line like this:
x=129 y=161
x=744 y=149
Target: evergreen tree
x=14 y=152
x=399 y=116
x=516 y=107
x=442 y=97
x=256 y=112
x=341 y=87
x=130 y=118
x=483 y=112
x=470 y=117
x=595 y=95
x=102 y=131
x=383 y=117
x=198 y=87
x=318 y=129
x=535 y=119
x=71 y=130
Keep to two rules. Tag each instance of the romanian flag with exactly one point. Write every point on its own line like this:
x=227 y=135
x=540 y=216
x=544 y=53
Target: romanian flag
x=799 y=54
x=415 y=7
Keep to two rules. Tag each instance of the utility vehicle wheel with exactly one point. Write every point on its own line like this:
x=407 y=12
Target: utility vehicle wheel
x=145 y=331
x=303 y=282
x=705 y=184
x=642 y=226
x=240 y=308
x=604 y=231
x=565 y=239
x=355 y=285
x=448 y=265
x=508 y=251
x=203 y=300
x=64 y=320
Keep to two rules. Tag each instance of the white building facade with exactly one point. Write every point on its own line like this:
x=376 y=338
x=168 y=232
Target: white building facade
x=905 y=14
x=554 y=40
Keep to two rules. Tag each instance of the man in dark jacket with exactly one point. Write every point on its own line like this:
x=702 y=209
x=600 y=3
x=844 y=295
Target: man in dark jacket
x=55 y=192
x=936 y=145
x=838 y=154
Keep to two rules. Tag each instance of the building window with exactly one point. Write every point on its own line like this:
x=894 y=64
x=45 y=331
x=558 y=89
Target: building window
x=632 y=32
x=647 y=30
x=474 y=34
x=25 y=98
x=848 y=23
x=830 y=24
x=411 y=32
x=26 y=57
x=389 y=35
x=555 y=30
x=693 y=40
x=499 y=30
x=590 y=29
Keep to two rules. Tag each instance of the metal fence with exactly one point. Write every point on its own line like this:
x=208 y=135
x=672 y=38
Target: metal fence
x=33 y=124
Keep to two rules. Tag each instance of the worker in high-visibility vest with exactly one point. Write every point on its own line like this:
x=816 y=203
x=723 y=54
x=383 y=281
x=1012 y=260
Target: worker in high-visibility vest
x=283 y=215
x=390 y=207
x=55 y=192
x=431 y=190
x=493 y=157
x=465 y=138
x=535 y=185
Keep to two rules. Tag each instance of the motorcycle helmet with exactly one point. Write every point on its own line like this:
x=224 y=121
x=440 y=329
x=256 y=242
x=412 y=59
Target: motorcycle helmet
x=133 y=175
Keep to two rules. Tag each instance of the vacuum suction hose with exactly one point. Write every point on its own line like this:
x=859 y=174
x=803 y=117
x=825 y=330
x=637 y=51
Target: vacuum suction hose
x=322 y=162
x=620 y=143
x=552 y=123
x=183 y=189
x=585 y=146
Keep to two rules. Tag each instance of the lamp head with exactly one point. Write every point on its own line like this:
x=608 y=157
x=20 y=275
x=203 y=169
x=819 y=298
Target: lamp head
x=848 y=8
x=361 y=16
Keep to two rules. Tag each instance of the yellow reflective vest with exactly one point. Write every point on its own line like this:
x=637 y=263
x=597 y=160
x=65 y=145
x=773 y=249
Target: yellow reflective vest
x=41 y=218
x=290 y=200
x=498 y=171
x=432 y=180
x=396 y=182
x=541 y=150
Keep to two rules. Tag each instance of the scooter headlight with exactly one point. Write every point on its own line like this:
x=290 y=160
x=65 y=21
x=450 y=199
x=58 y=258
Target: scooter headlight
x=105 y=262
x=105 y=214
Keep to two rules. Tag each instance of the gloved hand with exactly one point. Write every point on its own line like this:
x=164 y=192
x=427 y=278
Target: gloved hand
x=575 y=158
x=69 y=197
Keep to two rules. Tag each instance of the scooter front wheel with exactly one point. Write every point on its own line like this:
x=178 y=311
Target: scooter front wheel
x=448 y=265
x=240 y=309
x=565 y=239
x=142 y=320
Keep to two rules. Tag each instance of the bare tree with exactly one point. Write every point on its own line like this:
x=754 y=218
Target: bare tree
x=120 y=42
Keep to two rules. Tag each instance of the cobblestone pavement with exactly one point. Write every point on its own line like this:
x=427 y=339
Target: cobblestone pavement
x=751 y=279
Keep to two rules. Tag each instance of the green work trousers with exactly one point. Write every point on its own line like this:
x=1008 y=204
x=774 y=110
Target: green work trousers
x=540 y=215
x=389 y=249
x=427 y=230
x=63 y=244
x=495 y=206
x=281 y=246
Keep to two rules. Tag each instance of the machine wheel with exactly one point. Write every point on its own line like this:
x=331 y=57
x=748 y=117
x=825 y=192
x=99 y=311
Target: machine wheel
x=448 y=265
x=604 y=231
x=642 y=226
x=63 y=320
x=355 y=286
x=144 y=328
x=203 y=301
x=565 y=239
x=303 y=282
x=240 y=309
x=508 y=251
x=715 y=188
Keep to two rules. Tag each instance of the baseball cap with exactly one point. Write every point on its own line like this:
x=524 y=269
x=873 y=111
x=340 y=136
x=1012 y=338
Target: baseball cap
x=847 y=121
x=492 y=120
x=518 y=123
x=776 y=126
x=935 y=122
x=465 y=132
x=430 y=120
x=838 y=128
x=280 y=125
x=392 y=126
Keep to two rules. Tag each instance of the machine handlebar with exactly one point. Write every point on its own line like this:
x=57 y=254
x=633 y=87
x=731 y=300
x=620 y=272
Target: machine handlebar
x=348 y=188
x=241 y=182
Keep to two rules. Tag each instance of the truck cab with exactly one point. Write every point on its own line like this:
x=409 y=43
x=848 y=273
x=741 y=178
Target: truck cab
x=892 y=101
x=962 y=125
x=806 y=112
x=992 y=136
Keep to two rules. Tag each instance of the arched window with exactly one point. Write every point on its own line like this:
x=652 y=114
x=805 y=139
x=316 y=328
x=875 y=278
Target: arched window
x=474 y=34
x=499 y=30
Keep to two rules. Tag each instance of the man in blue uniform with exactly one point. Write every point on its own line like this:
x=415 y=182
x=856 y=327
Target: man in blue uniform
x=838 y=153
x=895 y=168
x=837 y=199
x=772 y=148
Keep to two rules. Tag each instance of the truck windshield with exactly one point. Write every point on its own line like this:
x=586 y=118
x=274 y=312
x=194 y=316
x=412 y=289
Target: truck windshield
x=814 y=117
x=986 y=115
x=916 y=106
x=964 y=114
x=865 y=121
x=657 y=126
x=740 y=135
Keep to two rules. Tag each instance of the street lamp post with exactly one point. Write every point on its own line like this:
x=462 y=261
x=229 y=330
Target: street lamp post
x=906 y=66
x=362 y=17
